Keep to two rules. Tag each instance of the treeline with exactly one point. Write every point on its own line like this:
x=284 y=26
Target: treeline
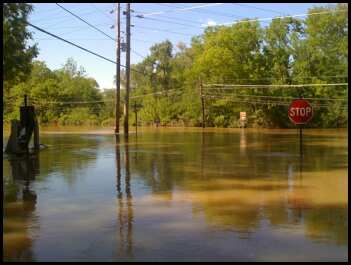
x=59 y=96
x=166 y=84
x=288 y=51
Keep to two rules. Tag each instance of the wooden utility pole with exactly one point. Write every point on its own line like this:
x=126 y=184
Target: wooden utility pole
x=126 y=110
x=118 y=73
x=202 y=105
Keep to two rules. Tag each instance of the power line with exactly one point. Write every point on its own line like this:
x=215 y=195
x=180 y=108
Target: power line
x=80 y=47
x=40 y=39
x=140 y=40
x=73 y=102
x=297 y=85
x=177 y=19
x=98 y=9
x=264 y=102
x=156 y=93
x=57 y=37
x=142 y=56
x=164 y=30
x=163 y=20
x=86 y=22
x=258 y=8
x=193 y=9
x=76 y=27
x=110 y=37
x=179 y=9
x=282 y=97
x=59 y=18
x=271 y=18
x=277 y=79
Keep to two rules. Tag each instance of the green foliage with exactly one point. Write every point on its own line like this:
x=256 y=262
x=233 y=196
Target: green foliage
x=51 y=92
x=287 y=51
x=17 y=56
x=78 y=116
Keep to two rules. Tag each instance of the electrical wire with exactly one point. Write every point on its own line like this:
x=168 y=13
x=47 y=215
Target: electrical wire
x=193 y=9
x=86 y=22
x=163 y=20
x=258 y=8
x=283 y=97
x=102 y=12
x=284 y=78
x=280 y=17
x=164 y=30
x=226 y=86
x=82 y=48
x=263 y=102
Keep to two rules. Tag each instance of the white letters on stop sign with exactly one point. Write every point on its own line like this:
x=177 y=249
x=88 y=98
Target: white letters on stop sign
x=300 y=111
x=308 y=111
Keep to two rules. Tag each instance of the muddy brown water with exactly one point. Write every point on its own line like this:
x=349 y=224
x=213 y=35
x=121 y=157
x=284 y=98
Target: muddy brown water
x=179 y=195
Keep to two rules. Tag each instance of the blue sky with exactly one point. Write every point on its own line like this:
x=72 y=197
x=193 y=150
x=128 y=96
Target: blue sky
x=174 y=21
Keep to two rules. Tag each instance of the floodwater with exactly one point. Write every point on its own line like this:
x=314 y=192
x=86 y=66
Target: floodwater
x=179 y=195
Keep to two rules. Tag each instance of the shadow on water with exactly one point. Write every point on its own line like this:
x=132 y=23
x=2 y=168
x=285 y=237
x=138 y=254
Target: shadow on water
x=20 y=207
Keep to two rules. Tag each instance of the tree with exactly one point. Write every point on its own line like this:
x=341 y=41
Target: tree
x=17 y=55
x=161 y=55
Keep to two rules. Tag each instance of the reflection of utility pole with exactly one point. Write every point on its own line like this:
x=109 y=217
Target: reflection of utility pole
x=129 y=203
x=118 y=165
x=119 y=194
x=125 y=209
x=202 y=153
x=126 y=164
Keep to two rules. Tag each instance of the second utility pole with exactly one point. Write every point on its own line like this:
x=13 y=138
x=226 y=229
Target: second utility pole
x=126 y=111
x=118 y=73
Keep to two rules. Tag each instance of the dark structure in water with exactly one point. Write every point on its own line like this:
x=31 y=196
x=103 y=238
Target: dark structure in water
x=22 y=131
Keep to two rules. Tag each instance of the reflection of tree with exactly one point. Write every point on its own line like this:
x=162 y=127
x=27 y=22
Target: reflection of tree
x=327 y=224
x=125 y=204
x=19 y=208
x=244 y=183
x=67 y=155
x=233 y=216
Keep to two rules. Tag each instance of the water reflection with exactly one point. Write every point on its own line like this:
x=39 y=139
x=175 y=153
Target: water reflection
x=239 y=195
x=125 y=203
x=243 y=143
x=20 y=207
x=260 y=183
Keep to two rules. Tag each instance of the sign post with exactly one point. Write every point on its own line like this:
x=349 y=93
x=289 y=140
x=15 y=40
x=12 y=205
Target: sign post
x=300 y=112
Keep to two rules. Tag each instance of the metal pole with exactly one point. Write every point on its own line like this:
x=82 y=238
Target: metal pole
x=301 y=96
x=126 y=114
x=118 y=74
x=301 y=141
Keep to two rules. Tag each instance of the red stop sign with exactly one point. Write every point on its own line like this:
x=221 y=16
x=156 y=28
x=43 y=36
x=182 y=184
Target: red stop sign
x=300 y=111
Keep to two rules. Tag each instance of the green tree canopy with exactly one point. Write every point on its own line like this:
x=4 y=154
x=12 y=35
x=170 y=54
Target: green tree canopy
x=17 y=54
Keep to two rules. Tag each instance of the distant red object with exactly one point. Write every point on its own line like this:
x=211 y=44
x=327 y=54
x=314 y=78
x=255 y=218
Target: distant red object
x=300 y=111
